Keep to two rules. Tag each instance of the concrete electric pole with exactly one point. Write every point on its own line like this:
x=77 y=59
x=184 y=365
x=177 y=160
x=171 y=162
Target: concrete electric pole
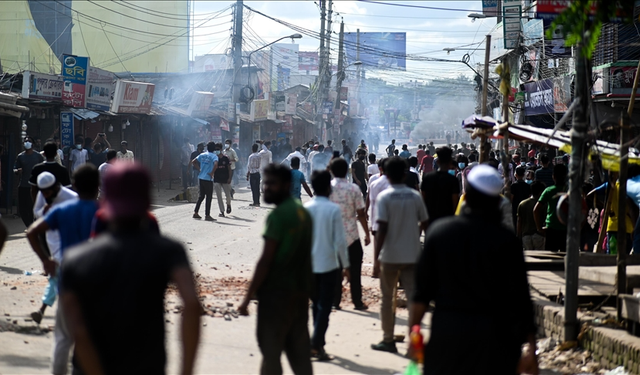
x=237 y=51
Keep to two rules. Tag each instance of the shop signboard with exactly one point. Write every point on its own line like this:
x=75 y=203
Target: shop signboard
x=539 y=99
x=259 y=110
x=41 y=86
x=200 y=102
x=290 y=104
x=101 y=84
x=132 y=97
x=74 y=73
x=66 y=129
x=490 y=8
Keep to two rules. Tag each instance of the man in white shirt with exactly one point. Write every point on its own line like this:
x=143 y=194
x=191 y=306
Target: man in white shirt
x=51 y=194
x=372 y=169
x=295 y=154
x=401 y=217
x=329 y=245
x=185 y=159
x=104 y=167
x=377 y=184
x=233 y=159
x=79 y=156
x=124 y=153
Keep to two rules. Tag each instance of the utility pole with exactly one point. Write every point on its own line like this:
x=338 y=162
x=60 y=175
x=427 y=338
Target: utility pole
x=341 y=73
x=321 y=71
x=358 y=72
x=237 y=51
x=484 y=152
x=578 y=152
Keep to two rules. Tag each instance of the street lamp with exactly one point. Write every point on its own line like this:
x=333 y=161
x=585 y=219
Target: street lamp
x=293 y=36
x=475 y=16
x=449 y=50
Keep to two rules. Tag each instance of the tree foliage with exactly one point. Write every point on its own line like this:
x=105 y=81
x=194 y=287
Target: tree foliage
x=579 y=21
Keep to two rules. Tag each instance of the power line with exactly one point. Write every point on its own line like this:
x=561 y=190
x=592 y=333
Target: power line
x=165 y=15
x=419 y=6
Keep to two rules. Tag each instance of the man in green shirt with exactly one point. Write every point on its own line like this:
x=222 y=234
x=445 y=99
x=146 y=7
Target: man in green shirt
x=282 y=280
x=554 y=231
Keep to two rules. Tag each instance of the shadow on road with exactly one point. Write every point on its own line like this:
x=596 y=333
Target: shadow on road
x=10 y=270
x=362 y=369
x=25 y=361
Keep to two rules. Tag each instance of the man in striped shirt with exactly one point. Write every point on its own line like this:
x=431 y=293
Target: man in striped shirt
x=253 y=175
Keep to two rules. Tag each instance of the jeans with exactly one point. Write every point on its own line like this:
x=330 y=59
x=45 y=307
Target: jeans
x=282 y=326
x=227 y=193
x=533 y=242
x=206 y=190
x=25 y=205
x=355 y=270
x=389 y=275
x=322 y=296
x=254 y=181
x=186 y=177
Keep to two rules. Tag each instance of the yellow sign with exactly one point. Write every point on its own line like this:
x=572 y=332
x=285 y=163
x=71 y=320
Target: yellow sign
x=259 y=109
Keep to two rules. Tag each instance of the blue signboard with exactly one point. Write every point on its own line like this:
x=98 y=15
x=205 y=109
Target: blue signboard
x=539 y=98
x=66 y=129
x=490 y=8
x=75 y=70
x=378 y=50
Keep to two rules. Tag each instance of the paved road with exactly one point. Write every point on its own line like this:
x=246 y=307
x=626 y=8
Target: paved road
x=224 y=254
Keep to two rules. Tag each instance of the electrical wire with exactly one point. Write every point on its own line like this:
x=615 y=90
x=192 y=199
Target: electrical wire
x=420 y=6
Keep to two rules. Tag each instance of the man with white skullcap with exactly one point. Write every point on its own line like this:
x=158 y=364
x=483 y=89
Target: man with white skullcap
x=464 y=257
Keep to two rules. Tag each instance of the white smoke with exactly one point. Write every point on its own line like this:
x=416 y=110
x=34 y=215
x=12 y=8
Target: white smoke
x=446 y=114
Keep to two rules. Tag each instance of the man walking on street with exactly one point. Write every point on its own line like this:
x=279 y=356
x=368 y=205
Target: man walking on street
x=526 y=225
x=401 y=217
x=282 y=279
x=222 y=180
x=104 y=167
x=329 y=245
x=297 y=180
x=50 y=165
x=78 y=156
x=206 y=163
x=349 y=198
x=185 y=160
x=545 y=215
x=391 y=148
x=23 y=167
x=253 y=174
x=440 y=189
x=233 y=159
x=114 y=306
x=359 y=172
x=72 y=220
x=473 y=268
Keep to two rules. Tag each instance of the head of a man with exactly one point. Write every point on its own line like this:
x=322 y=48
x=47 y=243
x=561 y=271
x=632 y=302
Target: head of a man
x=321 y=183
x=444 y=157
x=381 y=164
x=372 y=158
x=48 y=186
x=520 y=171
x=277 y=183
x=254 y=148
x=186 y=141
x=413 y=161
x=127 y=192
x=405 y=147
x=537 y=188
x=124 y=146
x=339 y=167
x=560 y=174
x=227 y=144
x=544 y=160
x=211 y=146
x=97 y=148
x=483 y=188
x=295 y=162
x=200 y=147
x=516 y=158
x=111 y=156
x=79 y=142
x=86 y=181
x=50 y=150
x=267 y=144
x=344 y=142
x=396 y=170
x=329 y=142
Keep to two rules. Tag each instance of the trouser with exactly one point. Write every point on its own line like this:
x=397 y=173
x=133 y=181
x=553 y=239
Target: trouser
x=206 y=191
x=25 y=205
x=355 y=271
x=194 y=177
x=555 y=240
x=50 y=291
x=389 y=275
x=533 y=242
x=254 y=181
x=61 y=345
x=322 y=296
x=227 y=193
x=186 y=177
x=282 y=326
x=234 y=178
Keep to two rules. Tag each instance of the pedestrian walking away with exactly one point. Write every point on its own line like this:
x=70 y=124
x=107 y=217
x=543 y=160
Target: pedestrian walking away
x=282 y=279
x=206 y=165
x=526 y=225
x=101 y=278
x=401 y=217
x=50 y=165
x=185 y=161
x=391 y=148
x=297 y=180
x=352 y=207
x=329 y=251
x=222 y=180
x=253 y=174
x=440 y=189
x=25 y=162
x=442 y=276
x=233 y=159
x=194 y=173
x=358 y=172
x=547 y=222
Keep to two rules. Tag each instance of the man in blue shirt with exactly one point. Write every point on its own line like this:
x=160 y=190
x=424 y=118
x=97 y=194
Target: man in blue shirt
x=329 y=245
x=72 y=220
x=297 y=180
x=206 y=165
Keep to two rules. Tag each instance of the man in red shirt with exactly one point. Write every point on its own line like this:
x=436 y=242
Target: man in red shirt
x=421 y=153
x=426 y=165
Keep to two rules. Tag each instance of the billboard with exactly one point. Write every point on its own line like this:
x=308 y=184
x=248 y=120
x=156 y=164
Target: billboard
x=210 y=63
x=539 y=99
x=290 y=104
x=200 y=102
x=41 y=86
x=308 y=62
x=284 y=74
x=283 y=56
x=74 y=73
x=490 y=8
x=378 y=50
x=132 y=97
x=101 y=84
x=259 y=110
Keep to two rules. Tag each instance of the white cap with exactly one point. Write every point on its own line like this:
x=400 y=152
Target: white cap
x=486 y=180
x=46 y=180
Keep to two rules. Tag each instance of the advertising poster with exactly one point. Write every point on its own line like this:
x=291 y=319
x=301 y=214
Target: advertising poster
x=74 y=73
x=539 y=99
x=378 y=50
x=290 y=104
x=101 y=87
x=132 y=97
x=41 y=86
x=259 y=109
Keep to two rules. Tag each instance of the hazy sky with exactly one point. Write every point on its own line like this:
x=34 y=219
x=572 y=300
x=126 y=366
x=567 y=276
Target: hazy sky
x=428 y=30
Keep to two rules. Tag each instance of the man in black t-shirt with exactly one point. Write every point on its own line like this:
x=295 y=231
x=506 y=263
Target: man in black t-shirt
x=440 y=189
x=112 y=289
x=520 y=191
x=222 y=180
x=50 y=165
x=194 y=173
x=412 y=179
x=359 y=172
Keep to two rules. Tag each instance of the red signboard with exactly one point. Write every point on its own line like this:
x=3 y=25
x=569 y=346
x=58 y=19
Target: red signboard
x=308 y=61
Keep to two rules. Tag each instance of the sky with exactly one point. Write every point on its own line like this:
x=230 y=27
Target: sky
x=428 y=30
